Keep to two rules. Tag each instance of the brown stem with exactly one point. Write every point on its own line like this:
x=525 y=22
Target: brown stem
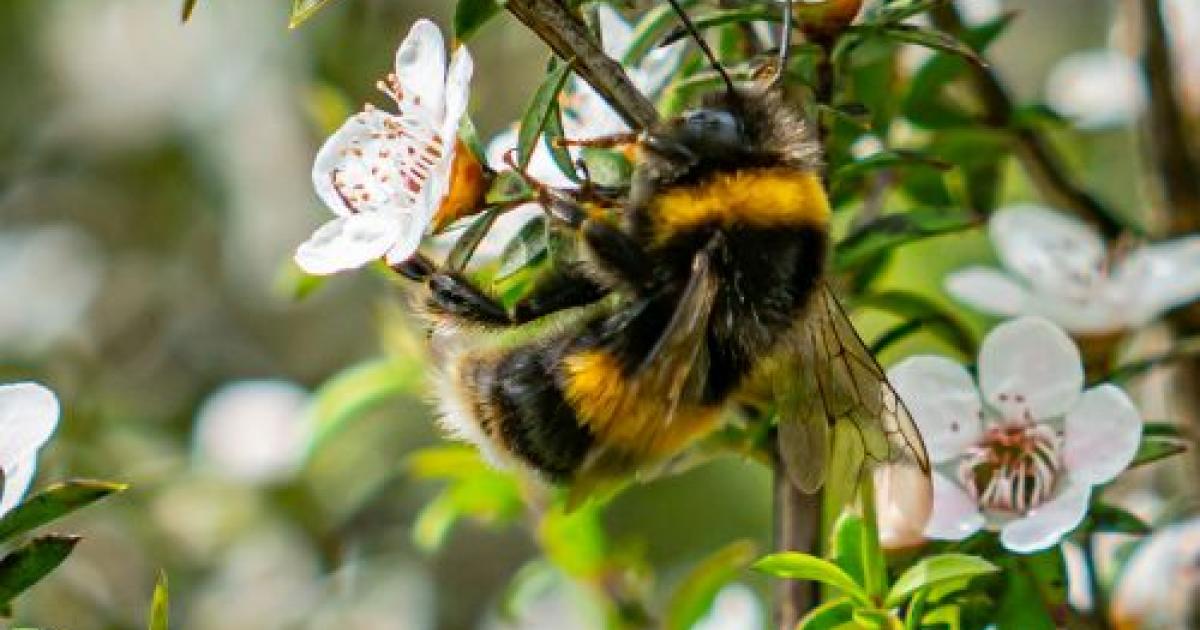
x=570 y=39
x=1041 y=160
x=797 y=522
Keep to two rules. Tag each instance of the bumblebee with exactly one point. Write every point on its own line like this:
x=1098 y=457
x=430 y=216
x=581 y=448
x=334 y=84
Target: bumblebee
x=707 y=293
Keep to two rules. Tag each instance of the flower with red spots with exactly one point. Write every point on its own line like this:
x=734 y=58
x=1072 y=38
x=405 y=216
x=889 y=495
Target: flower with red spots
x=385 y=175
x=1020 y=452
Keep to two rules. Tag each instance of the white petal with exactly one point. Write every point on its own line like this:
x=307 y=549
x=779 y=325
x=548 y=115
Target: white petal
x=1102 y=434
x=369 y=164
x=255 y=430
x=348 y=243
x=458 y=88
x=1030 y=364
x=614 y=30
x=28 y=416
x=955 y=514
x=903 y=503
x=988 y=290
x=1097 y=88
x=1046 y=525
x=1157 y=278
x=17 y=478
x=1054 y=251
x=421 y=67
x=943 y=401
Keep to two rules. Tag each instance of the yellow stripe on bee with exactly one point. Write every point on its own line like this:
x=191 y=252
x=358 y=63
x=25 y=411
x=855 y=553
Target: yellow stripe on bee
x=767 y=197
x=620 y=415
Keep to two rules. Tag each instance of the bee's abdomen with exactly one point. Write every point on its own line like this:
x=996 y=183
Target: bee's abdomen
x=510 y=403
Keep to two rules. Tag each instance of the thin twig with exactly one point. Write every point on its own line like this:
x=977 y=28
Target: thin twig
x=1041 y=160
x=797 y=524
x=569 y=38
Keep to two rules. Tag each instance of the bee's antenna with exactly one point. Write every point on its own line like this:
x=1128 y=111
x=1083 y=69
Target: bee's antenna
x=785 y=43
x=704 y=47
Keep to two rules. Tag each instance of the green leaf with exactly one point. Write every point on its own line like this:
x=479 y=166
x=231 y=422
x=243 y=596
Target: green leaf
x=302 y=10
x=901 y=10
x=471 y=15
x=1155 y=447
x=1105 y=517
x=470 y=137
x=801 y=566
x=850 y=173
x=464 y=248
x=721 y=18
x=893 y=230
x=1021 y=607
x=948 y=615
x=294 y=284
x=508 y=187
x=445 y=461
x=554 y=133
x=694 y=596
x=539 y=110
x=434 y=522
x=354 y=391
x=575 y=541
x=607 y=167
x=527 y=248
x=834 y=614
x=54 y=502
x=920 y=313
x=532 y=580
x=159 y=608
x=186 y=13
x=28 y=564
x=931 y=38
x=847 y=550
x=645 y=34
x=935 y=570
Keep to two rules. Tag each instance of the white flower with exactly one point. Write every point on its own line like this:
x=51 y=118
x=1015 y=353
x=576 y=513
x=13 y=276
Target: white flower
x=384 y=174
x=588 y=115
x=1160 y=587
x=1096 y=89
x=735 y=607
x=1057 y=267
x=28 y=416
x=254 y=431
x=1023 y=457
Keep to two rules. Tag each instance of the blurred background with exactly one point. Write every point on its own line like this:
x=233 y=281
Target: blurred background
x=154 y=180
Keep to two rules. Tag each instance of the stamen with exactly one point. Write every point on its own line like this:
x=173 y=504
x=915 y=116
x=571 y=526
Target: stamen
x=1015 y=466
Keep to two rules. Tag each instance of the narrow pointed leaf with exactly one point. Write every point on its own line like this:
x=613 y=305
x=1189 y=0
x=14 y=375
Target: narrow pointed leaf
x=800 y=566
x=472 y=15
x=539 y=110
x=54 y=502
x=1155 y=447
x=302 y=10
x=936 y=570
x=835 y=614
x=159 y=605
x=352 y=392
x=528 y=247
x=1105 y=517
x=28 y=564
x=464 y=248
x=893 y=230
x=932 y=38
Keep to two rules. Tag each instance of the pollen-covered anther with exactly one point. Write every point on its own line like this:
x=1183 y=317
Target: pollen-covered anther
x=1014 y=467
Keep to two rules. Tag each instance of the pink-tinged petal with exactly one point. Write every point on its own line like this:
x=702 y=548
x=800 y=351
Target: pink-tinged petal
x=1053 y=251
x=955 y=514
x=375 y=162
x=1044 y=526
x=1159 y=277
x=616 y=33
x=458 y=87
x=28 y=416
x=903 y=503
x=1158 y=586
x=988 y=290
x=17 y=478
x=347 y=243
x=943 y=401
x=1029 y=364
x=421 y=68
x=1103 y=430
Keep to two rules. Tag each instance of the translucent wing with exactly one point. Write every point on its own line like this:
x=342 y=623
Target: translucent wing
x=837 y=411
x=677 y=364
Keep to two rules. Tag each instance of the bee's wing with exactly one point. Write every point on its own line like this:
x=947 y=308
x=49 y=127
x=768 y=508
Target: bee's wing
x=677 y=365
x=837 y=411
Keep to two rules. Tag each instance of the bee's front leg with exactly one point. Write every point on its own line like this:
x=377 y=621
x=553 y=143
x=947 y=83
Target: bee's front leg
x=453 y=294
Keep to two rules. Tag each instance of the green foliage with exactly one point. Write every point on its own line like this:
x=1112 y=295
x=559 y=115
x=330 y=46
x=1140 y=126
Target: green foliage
x=302 y=10
x=29 y=563
x=695 y=594
x=160 y=605
x=53 y=503
x=542 y=107
x=348 y=395
x=472 y=15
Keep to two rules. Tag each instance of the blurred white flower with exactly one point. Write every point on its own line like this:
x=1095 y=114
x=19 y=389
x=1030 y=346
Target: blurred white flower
x=1160 y=587
x=28 y=416
x=736 y=607
x=587 y=114
x=392 y=594
x=48 y=279
x=1023 y=457
x=1057 y=267
x=559 y=605
x=975 y=12
x=384 y=175
x=254 y=431
x=1097 y=89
